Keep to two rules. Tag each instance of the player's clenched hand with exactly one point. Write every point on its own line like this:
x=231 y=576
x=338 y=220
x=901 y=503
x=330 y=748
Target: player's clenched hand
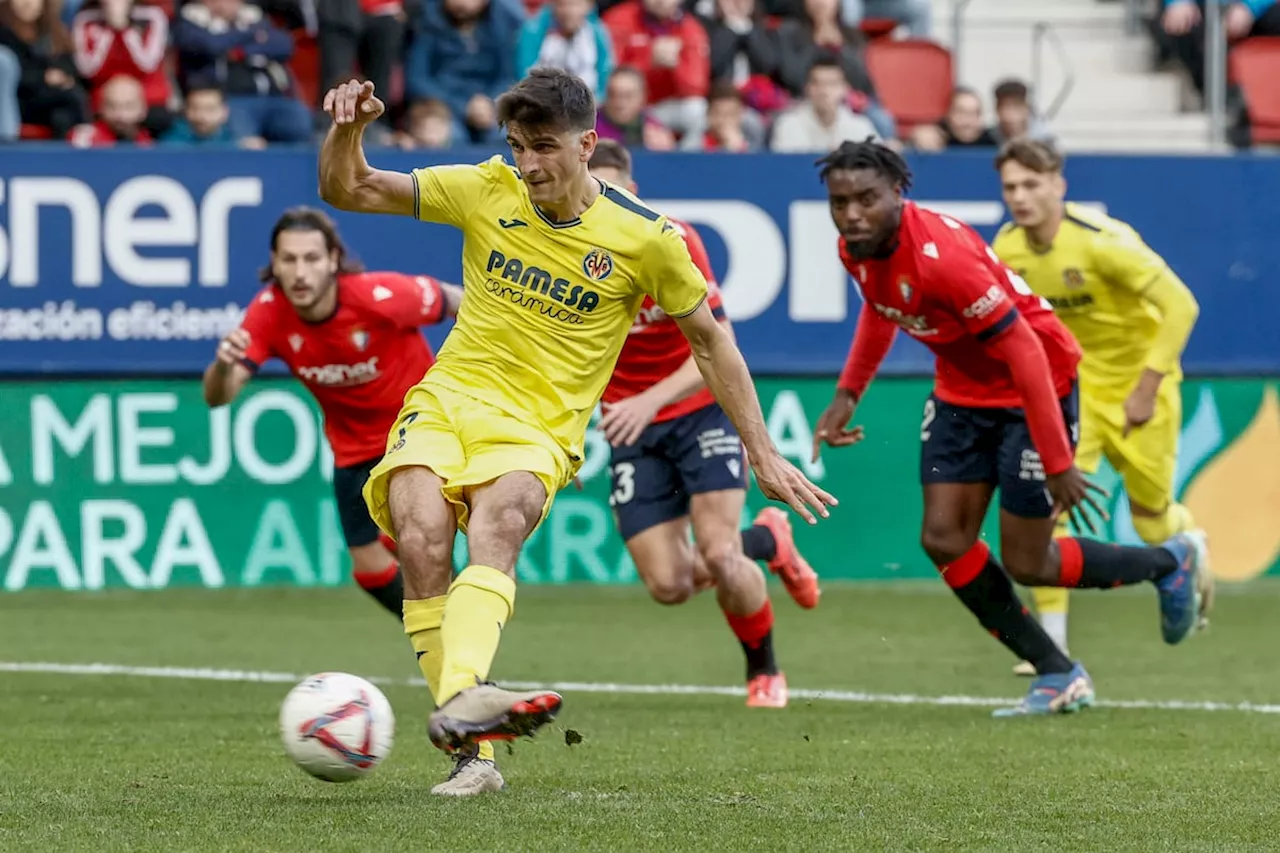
x=353 y=103
x=782 y=481
x=232 y=348
x=624 y=420
x=833 y=426
x=1072 y=493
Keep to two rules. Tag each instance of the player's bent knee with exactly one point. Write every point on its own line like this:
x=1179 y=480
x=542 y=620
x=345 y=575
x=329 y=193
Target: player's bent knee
x=945 y=544
x=670 y=589
x=722 y=558
x=429 y=547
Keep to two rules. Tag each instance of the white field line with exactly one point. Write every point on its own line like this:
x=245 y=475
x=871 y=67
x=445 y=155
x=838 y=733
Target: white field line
x=855 y=696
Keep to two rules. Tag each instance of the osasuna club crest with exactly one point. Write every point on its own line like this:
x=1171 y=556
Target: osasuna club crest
x=904 y=287
x=360 y=339
x=295 y=341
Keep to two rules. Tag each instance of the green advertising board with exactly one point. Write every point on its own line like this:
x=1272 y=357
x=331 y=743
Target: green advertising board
x=138 y=484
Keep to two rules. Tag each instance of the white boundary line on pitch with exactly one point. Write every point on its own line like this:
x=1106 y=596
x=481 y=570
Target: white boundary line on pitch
x=859 y=697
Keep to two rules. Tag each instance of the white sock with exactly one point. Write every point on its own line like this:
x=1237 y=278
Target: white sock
x=1055 y=625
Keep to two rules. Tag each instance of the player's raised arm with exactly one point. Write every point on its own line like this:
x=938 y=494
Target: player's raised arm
x=347 y=181
x=227 y=374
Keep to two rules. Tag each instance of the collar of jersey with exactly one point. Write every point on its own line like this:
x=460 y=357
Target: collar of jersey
x=568 y=223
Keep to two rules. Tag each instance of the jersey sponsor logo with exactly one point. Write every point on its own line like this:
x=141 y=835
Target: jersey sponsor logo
x=1073 y=278
x=647 y=318
x=513 y=223
x=986 y=303
x=1075 y=300
x=597 y=264
x=428 y=294
x=914 y=324
x=341 y=374
x=360 y=339
x=526 y=286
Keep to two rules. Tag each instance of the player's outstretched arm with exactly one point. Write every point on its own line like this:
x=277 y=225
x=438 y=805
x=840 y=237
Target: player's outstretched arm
x=452 y=298
x=347 y=181
x=227 y=375
x=725 y=373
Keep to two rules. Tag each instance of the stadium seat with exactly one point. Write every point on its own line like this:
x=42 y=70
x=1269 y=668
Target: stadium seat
x=877 y=28
x=1254 y=66
x=305 y=66
x=913 y=79
x=34 y=131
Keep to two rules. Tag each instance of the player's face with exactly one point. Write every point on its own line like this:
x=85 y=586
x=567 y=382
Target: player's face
x=1032 y=197
x=551 y=163
x=614 y=176
x=304 y=268
x=865 y=207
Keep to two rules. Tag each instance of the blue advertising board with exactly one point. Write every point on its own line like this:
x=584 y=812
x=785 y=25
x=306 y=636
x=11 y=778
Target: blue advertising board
x=136 y=262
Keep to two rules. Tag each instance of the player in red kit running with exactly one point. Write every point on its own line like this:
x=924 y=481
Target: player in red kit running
x=1003 y=414
x=353 y=339
x=676 y=458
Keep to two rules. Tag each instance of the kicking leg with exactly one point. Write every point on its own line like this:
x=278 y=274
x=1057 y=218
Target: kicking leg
x=480 y=601
x=770 y=539
x=740 y=591
x=377 y=571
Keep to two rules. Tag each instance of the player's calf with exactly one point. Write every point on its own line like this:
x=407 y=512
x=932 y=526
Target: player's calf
x=665 y=561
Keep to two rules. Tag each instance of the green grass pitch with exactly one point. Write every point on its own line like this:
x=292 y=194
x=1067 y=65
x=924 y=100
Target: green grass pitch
x=127 y=762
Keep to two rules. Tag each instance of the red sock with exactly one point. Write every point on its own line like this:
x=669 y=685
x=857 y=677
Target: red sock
x=752 y=629
x=961 y=573
x=378 y=579
x=388 y=543
x=1070 y=562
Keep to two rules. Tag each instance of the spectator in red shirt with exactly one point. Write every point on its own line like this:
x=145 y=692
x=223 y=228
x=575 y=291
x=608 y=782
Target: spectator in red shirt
x=49 y=94
x=370 y=32
x=114 y=37
x=725 y=128
x=623 y=118
x=670 y=48
x=120 y=117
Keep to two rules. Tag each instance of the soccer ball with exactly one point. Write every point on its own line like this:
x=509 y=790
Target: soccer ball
x=336 y=726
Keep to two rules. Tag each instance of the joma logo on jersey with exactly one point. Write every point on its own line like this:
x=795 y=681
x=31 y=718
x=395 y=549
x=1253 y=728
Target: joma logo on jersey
x=341 y=374
x=914 y=324
x=537 y=280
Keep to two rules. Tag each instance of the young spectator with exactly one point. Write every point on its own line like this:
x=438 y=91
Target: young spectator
x=741 y=46
x=962 y=127
x=726 y=130
x=370 y=32
x=816 y=33
x=823 y=120
x=10 y=79
x=1015 y=115
x=114 y=37
x=230 y=45
x=670 y=48
x=915 y=15
x=1182 y=25
x=205 y=120
x=121 y=113
x=429 y=125
x=623 y=117
x=463 y=53
x=569 y=35
x=49 y=95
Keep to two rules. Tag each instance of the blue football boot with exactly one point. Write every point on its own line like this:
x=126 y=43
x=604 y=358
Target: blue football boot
x=1056 y=693
x=1185 y=593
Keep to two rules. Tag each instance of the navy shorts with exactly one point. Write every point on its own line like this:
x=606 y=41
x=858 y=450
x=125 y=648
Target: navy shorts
x=964 y=444
x=358 y=528
x=653 y=478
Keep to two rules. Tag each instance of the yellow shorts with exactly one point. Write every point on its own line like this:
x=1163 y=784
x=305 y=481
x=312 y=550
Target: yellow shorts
x=467 y=443
x=1147 y=458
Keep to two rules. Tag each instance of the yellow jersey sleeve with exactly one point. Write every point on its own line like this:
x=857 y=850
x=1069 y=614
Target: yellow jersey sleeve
x=1126 y=262
x=449 y=195
x=668 y=274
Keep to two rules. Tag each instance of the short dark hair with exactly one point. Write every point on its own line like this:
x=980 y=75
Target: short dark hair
x=549 y=97
x=825 y=59
x=961 y=91
x=206 y=90
x=1034 y=154
x=1012 y=90
x=311 y=219
x=611 y=154
x=868 y=154
x=724 y=91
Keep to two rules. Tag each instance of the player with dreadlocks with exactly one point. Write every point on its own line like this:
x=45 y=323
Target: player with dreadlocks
x=1003 y=414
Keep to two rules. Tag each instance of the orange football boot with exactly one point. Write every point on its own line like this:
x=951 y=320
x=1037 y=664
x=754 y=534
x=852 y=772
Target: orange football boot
x=797 y=575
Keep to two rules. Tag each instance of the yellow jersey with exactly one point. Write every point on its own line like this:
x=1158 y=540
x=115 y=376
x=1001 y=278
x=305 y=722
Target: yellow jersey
x=547 y=305
x=1126 y=307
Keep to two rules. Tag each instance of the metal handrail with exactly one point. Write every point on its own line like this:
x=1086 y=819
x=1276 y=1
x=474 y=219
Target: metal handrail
x=1215 y=70
x=958 y=8
x=1040 y=31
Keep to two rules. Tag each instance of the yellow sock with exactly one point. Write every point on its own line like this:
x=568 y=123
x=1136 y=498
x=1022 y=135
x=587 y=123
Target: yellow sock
x=422 y=623
x=480 y=602
x=1155 y=530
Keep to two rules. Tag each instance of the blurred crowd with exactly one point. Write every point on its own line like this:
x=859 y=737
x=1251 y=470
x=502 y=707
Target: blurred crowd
x=710 y=75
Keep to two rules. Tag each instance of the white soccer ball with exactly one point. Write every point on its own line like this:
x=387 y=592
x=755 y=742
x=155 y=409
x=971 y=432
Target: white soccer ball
x=337 y=727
